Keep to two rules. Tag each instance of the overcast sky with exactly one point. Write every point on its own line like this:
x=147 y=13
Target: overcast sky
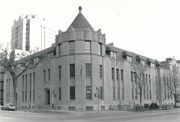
x=150 y=28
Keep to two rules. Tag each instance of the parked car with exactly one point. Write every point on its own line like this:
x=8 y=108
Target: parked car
x=8 y=106
x=177 y=104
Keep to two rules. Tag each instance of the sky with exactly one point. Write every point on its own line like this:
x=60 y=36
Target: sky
x=147 y=27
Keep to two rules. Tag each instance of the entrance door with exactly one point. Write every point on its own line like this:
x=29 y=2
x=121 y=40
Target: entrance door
x=48 y=97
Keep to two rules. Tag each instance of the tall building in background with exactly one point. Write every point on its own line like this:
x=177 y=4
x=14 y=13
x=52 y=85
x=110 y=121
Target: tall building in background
x=31 y=31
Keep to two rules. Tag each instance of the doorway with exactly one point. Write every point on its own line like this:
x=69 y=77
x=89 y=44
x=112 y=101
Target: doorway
x=47 y=98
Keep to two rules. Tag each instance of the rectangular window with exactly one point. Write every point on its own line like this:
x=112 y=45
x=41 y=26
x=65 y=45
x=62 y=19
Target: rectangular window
x=122 y=83
x=33 y=86
x=142 y=62
x=118 y=93
x=100 y=71
x=30 y=87
x=59 y=93
x=72 y=70
x=23 y=88
x=132 y=86
x=147 y=91
x=44 y=75
x=164 y=88
x=59 y=49
x=112 y=70
x=117 y=74
x=167 y=88
x=72 y=92
x=88 y=93
x=129 y=59
x=71 y=47
x=114 y=55
x=100 y=49
x=152 y=64
x=111 y=54
x=87 y=46
x=49 y=74
x=88 y=70
x=59 y=72
x=113 y=93
x=156 y=88
x=101 y=92
x=150 y=97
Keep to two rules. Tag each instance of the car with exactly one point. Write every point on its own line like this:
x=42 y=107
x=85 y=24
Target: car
x=8 y=106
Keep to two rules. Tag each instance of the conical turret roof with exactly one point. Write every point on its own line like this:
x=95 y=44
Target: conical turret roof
x=80 y=22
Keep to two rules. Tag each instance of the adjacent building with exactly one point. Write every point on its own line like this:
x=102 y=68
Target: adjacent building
x=31 y=31
x=79 y=65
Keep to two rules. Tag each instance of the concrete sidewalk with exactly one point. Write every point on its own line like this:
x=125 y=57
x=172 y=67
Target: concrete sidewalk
x=63 y=112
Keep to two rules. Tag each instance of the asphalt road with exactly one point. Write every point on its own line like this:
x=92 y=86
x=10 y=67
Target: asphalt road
x=148 y=116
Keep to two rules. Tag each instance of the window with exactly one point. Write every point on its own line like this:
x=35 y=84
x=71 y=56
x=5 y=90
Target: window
x=30 y=87
x=150 y=97
x=101 y=92
x=100 y=71
x=147 y=91
x=142 y=62
x=71 y=47
x=113 y=55
x=117 y=74
x=88 y=93
x=87 y=46
x=122 y=84
x=100 y=49
x=156 y=88
x=72 y=70
x=164 y=88
x=89 y=108
x=118 y=93
x=59 y=93
x=112 y=70
x=49 y=74
x=23 y=88
x=152 y=64
x=167 y=89
x=132 y=86
x=59 y=72
x=44 y=75
x=72 y=92
x=59 y=49
x=129 y=59
x=113 y=93
x=33 y=86
x=88 y=70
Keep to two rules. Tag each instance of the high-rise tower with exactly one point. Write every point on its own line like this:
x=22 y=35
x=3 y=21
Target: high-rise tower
x=31 y=31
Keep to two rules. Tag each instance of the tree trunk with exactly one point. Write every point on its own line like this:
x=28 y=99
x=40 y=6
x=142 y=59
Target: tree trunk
x=140 y=98
x=14 y=90
x=175 y=97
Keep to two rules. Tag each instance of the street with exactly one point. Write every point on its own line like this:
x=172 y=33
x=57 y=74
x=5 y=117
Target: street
x=116 y=116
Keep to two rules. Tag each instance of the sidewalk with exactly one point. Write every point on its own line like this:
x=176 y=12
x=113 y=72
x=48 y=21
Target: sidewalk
x=63 y=112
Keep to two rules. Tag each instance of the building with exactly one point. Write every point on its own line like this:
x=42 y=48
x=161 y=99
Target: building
x=1 y=82
x=79 y=65
x=31 y=31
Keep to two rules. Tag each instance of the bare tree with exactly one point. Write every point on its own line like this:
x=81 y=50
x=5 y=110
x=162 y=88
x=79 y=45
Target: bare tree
x=139 y=72
x=173 y=86
x=16 y=63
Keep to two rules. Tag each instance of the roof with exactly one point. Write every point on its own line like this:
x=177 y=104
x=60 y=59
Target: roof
x=122 y=52
x=80 y=22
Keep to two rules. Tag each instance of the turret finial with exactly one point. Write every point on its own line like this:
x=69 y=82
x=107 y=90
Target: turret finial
x=80 y=8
